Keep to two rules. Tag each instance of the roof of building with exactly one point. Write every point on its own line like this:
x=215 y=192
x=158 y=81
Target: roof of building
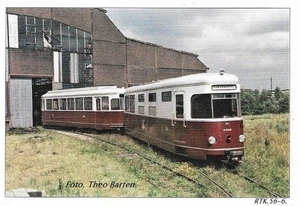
x=160 y=46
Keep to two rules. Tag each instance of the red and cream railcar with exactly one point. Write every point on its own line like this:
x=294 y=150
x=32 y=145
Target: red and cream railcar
x=198 y=116
x=97 y=108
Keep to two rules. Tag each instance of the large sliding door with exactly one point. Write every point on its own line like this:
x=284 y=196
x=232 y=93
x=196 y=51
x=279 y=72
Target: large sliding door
x=21 y=102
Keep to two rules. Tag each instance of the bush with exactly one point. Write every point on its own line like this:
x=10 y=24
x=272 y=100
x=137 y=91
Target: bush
x=266 y=101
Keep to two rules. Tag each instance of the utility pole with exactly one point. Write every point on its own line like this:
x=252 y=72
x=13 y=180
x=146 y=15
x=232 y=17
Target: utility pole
x=271 y=84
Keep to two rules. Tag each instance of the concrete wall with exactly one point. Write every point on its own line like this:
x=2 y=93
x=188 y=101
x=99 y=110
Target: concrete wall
x=109 y=51
x=30 y=63
x=31 y=11
x=147 y=62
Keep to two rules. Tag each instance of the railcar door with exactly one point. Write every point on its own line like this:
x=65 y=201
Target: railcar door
x=179 y=111
x=178 y=122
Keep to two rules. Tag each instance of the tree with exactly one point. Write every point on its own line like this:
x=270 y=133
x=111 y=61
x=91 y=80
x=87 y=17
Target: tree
x=255 y=102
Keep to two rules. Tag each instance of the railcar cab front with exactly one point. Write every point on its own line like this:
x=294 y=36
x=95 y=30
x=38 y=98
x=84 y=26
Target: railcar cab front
x=197 y=115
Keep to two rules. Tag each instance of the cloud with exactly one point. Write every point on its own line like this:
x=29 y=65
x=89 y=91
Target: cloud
x=261 y=21
x=246 y=41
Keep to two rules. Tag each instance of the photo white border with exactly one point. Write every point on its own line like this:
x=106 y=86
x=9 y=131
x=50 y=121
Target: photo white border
x=294 y=109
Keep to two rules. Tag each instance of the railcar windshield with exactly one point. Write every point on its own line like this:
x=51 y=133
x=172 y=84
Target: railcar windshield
x=215 y=105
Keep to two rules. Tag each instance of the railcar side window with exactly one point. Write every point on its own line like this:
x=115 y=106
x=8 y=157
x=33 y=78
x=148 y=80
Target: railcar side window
x=48 y=104
x=55 y=104
x=152 y=97
x=127 y=103
x=132 y=103
x=115 y=104
x=98 y=104
x=105 y=103
x=141 y=98
x=122 y=103
x=63 y=104
x=141 y=109
x=79 y=103
x=152 y=110
x=70 y=102
x=201 y=106
x=43 y=104
x=88 y=103
x=179 y=106
x=166 y=96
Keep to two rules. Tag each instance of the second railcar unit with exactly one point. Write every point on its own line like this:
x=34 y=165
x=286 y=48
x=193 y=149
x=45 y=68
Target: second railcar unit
x=99 y=108
x=198 y=116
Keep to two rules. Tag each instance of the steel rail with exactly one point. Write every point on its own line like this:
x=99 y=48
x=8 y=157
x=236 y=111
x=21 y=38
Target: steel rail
x=272 y=192
x=221 y=188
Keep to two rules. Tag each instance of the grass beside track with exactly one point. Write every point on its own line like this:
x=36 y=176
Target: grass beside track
x=267 y=155
x=66 y=166
x=45 y=160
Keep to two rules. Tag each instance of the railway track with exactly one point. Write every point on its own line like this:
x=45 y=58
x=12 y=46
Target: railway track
x=270 y=191
x=88 y=136
x=222 y=190
x=251 y=180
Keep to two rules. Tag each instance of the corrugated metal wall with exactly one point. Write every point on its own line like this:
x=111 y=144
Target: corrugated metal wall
x=21 y=102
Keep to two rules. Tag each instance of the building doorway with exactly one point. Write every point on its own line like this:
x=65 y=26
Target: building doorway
x=40 y=86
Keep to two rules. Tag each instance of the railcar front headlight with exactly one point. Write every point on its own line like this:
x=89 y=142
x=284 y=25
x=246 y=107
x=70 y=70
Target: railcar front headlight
x=242 y=138
x=212 y=140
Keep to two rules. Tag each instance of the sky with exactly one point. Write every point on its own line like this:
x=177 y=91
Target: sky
x=252 y=43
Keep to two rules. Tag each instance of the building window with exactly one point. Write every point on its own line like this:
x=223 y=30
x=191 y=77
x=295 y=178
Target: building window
x=30 y=32
x=166 y=96
x=152 y=97
x=56 y=40
x=72 y=47
x=13 y=34
x=74 y=68
x=57 y=64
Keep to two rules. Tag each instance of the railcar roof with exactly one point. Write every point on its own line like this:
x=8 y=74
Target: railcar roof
x=193 y=79
x=87 y=91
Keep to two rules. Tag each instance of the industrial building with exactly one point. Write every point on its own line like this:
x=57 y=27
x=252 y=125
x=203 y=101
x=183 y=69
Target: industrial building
x=59 y=48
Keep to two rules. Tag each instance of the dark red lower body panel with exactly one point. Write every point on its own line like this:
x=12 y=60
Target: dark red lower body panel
x=187 y=138
x=84 y=119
